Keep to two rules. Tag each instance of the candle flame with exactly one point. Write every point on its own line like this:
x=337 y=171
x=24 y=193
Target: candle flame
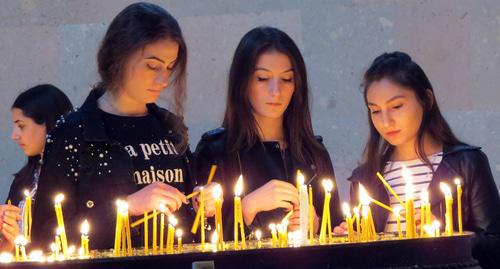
x=425 y=197
x=272 y=226
x=364 y=198
x=71 y=249
x=300 y=178
x=397 y=210
x=85 y=227
x=26 y=193
x=239 y=186
x=356 y=211
x=59 y=230
x=328 y=185
x=178 y=233
x=81 y=251
x=53 y=247
x=364 y=211
x=6 y=257
x=20 y=240
x=258 y=234
x=457 y=181
x=217 y=191
x=36 y=255
x=122 y=207
x=409 y=189
x=445 y=189
x=163 y=208
x=59 y=198
x=346 y=209
x=172 y=220
x=215 y=237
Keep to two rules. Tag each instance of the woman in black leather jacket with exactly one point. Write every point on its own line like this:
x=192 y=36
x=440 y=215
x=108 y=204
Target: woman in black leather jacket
x=266 y=135
x=120 y=145
x=407 y=128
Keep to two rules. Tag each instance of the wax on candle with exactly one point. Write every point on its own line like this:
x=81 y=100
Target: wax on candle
x=449 y=208
x=274 y=237
x=238 y=215
x=60 y=223
x=84 y=230
x=162 y=209
x=217 y=192
x=178 y=233
x=328 y=186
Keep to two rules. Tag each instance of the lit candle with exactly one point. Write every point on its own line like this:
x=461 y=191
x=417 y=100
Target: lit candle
x=172 y=222
x=449 y=207
x=123 y=239
x=238 y=215
x=349 y=222
x=436 y=226
x=358 y=224
x=258 y=235
x=459 y=205
x=146 y=235
x=17 y=242
x=155 y=232
x=303 y=207
x=424 y=201
x=217 y=192
x=6 y=257
x=311 y=215
x=201 y=210
x=22 y=246
x=57 y=242
x=178 y=232
x=60 y=223
x=410 y=206
x=162 y=209
x=274 y=237
x=325 y=220
x=367 y=224
x=214 y=240
x=27 y=220
x=397 y=213
x=84 y=229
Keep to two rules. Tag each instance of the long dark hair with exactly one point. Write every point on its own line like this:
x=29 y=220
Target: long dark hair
x=241 y=126
x=136 y=26
x=44 y=104
x=399 y=68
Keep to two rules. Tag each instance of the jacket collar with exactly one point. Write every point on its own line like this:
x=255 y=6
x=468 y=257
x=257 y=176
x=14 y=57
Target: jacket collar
x=93 y=126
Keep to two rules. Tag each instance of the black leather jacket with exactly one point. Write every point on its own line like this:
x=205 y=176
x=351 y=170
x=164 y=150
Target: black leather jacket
x=259 y=164
x=92 y=171
x=480 y=199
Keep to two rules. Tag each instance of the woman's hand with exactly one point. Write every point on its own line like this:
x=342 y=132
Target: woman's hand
x=151 y=196
x=274 y=194
x=294 y=221
x=208 y=199
x=341 y=229
x=9 y=228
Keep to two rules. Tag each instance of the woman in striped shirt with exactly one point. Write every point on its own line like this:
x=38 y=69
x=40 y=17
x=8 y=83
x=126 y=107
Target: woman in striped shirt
x=408 y=130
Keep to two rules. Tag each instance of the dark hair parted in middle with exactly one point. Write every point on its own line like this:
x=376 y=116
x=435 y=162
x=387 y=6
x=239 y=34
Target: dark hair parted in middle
x=239 y=120
x=399 y=68
x=132 y=29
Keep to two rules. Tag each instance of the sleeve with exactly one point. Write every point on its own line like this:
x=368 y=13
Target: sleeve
x=485 y=212
x=55 y=178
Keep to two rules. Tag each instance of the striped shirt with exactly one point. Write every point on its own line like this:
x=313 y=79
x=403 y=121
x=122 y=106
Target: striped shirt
x=421 y=177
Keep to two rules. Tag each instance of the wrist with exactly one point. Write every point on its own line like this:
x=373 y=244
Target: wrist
x=249 y=210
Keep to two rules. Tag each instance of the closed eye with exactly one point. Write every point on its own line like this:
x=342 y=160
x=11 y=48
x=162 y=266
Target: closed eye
x=262 y=78
x=152 y=67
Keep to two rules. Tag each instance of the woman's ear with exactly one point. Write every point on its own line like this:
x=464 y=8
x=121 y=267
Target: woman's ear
x=430 y=98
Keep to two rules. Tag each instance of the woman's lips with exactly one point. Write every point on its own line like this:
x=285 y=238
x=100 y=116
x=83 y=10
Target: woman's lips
x=274 y=104
x=392 y=133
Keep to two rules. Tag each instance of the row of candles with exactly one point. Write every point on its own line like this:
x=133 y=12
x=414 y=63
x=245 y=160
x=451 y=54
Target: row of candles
x=361 y=219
